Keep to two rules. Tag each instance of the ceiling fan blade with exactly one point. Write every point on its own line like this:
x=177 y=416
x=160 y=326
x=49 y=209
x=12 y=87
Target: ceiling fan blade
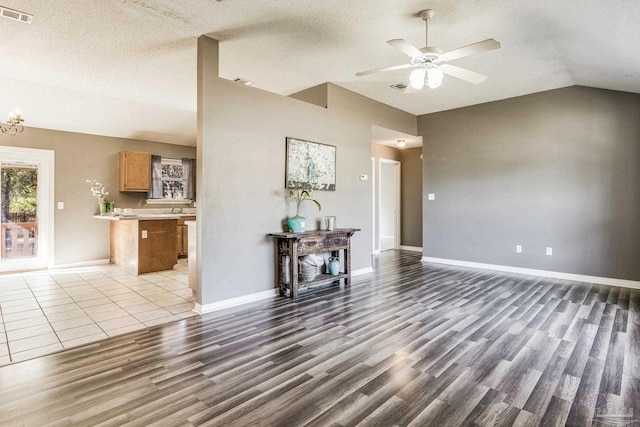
x=380 y=70
x=463 y=74
x=472 y=49
x=405 y=47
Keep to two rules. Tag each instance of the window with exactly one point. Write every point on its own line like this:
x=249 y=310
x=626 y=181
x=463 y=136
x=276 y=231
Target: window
x=171 y=179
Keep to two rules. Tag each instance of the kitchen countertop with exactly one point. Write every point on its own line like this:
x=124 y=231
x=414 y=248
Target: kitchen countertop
x=145 y=217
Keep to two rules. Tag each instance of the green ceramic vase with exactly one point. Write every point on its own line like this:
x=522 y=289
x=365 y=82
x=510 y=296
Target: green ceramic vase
x=297 y=224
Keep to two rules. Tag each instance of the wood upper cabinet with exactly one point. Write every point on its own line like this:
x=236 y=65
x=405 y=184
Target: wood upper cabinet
x=135 y=171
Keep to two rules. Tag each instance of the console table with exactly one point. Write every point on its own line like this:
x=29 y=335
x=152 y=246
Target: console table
x=294 y=245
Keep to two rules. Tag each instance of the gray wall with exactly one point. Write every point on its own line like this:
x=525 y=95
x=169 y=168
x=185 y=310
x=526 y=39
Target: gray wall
x=316 y=95
x=77 y=236
x=557 y=168
x=242 y=133
x=411 y=204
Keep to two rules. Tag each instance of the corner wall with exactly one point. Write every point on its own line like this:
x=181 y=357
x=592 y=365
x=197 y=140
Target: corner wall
x=558 y=168
x=242 y=145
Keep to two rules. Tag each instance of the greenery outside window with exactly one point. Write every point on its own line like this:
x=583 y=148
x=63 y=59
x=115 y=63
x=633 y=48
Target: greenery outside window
x=171 y=180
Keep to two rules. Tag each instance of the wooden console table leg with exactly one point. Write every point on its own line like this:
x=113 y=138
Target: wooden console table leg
x=293 y=250
x=347 y=264
x=282 y=273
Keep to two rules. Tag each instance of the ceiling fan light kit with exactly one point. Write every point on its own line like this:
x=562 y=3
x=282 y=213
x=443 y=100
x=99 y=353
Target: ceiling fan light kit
x=430 y=76
x=429 y=70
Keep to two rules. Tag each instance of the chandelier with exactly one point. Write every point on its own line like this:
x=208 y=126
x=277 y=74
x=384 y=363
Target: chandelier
x=13 y=126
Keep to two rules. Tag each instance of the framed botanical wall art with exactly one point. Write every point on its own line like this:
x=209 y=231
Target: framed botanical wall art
x=310 y=165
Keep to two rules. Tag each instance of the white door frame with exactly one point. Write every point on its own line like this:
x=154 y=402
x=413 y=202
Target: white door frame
x=398 y=200
x=46 y=163
x=374 y=204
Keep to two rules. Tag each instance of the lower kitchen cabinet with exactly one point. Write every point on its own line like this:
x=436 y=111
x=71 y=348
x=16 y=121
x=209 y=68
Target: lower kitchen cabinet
x=144 y=246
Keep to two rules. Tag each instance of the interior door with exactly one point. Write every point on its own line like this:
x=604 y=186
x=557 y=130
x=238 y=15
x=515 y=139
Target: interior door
x=389 y=223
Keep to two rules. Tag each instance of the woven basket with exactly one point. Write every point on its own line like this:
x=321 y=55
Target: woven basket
x=309 y=265
x=307 y=272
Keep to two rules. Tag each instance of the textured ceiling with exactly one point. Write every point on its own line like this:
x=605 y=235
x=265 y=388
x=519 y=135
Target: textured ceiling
x=128 y=67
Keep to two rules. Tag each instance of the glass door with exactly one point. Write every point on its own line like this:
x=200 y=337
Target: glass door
x=23 y=210
x=19 y=211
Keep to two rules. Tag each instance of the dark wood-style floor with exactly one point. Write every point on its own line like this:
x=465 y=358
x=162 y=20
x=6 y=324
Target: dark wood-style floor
x=412 y=344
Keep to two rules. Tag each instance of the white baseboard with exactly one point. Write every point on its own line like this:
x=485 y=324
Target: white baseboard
x=411 y=248
x=233 y=302
x=541 y=273
x=245 y=299
x=361 y=271
x=80 y=264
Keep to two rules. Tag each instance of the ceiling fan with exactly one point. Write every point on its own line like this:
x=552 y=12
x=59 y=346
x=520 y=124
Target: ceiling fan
x=428 y=61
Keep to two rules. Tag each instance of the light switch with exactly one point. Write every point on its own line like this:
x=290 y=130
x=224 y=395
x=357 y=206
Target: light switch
x=60 y=205
x=144 y=234
x=431 y=196
x=363 y=177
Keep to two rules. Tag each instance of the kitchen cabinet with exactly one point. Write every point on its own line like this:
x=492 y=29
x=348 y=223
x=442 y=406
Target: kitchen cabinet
x=135 y=171
x=143 y=246
x=182 y=236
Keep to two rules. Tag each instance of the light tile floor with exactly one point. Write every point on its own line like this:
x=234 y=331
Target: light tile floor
x=46 y=311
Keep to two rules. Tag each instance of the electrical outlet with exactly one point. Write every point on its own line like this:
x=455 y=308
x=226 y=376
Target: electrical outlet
x=60 y=205
x=431 y=196
x=363 y=177
x=144 y=234
x=519 y=249
x=549 y=250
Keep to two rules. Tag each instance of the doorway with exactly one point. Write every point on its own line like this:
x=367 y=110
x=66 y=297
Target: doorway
x=26 y=211
x=389 y=205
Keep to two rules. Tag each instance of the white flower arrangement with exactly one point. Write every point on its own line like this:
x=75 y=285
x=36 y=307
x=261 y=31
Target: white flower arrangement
x=98 y=190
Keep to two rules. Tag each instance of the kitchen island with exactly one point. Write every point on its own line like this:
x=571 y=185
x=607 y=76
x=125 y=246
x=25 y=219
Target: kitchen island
x=145 y=243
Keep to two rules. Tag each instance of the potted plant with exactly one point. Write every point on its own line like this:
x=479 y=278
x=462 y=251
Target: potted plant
x=298 y=223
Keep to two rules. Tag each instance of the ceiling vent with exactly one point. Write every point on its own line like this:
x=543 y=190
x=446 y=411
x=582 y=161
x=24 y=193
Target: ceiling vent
x=399 y=86
x=243 y=81
x=15 y=15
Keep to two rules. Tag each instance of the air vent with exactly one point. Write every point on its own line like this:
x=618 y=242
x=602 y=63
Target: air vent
x=399 y=86
x=15 y=15
x=243 y=81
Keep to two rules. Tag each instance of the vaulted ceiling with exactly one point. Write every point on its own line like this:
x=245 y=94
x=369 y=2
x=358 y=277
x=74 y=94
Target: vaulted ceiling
x=128 y=67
